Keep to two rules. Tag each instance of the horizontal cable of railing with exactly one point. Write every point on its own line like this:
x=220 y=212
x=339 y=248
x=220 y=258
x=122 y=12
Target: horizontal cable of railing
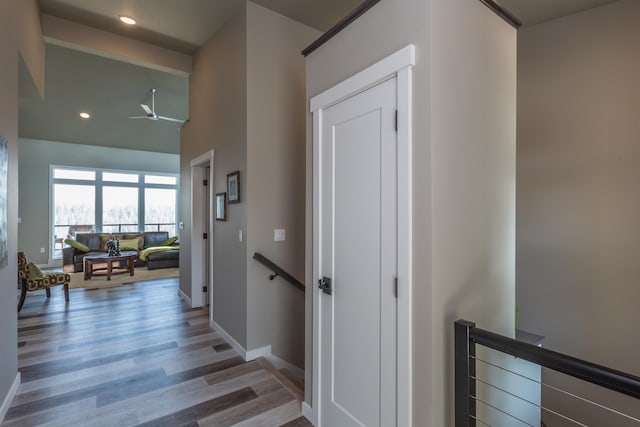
x=606 y=377
x=467 y=336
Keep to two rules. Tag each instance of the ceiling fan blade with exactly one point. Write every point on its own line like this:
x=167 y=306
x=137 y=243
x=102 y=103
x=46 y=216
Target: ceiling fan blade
x=139 y=117
x=169 y=119
x=146 y=109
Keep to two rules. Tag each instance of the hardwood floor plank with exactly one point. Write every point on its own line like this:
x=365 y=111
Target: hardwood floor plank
x=280 y=415
x=213 y=406
x=136 y=354
x=52 y=414
x=298 y=422
x=247 y=410
x=43 y=370
x=123 y=385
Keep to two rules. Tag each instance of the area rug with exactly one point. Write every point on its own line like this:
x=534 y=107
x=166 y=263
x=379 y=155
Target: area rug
x=141 y=274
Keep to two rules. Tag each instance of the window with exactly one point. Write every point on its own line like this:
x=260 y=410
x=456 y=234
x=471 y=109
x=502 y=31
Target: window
x=120 y=209
x=110 y=202
x=160 y=210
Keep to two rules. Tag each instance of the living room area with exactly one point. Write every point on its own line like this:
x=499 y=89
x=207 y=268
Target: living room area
x=104 y=175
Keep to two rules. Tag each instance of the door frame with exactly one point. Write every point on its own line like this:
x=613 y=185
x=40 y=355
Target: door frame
x=399 y=65
x=198 y=255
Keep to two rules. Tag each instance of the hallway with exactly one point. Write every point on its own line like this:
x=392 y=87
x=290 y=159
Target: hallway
x=136 y=355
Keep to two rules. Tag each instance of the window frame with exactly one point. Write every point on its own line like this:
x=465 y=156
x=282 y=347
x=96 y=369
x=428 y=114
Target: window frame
x=98 y=184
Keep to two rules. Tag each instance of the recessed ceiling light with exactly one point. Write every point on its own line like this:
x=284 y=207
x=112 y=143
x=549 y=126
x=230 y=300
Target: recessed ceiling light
x=127 y=20
x=85 y=115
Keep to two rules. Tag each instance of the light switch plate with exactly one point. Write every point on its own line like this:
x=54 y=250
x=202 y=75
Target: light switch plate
x=279 y=235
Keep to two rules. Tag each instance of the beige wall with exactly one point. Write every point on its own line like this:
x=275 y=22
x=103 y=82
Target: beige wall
x=464 y=172
x=473 y=119
x=578 y=200
x=218 y=109
x=275 y=178
x=9 y=130
x=31 y=45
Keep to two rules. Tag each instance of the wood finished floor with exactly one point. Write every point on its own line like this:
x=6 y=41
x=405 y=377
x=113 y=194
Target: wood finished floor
x=137 y=355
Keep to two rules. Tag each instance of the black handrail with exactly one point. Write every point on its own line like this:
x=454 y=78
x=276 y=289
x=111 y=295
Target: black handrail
x=277 y=271
x=466 y=332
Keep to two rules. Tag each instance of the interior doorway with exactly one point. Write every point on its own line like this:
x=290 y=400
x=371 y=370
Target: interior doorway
x=201 y=228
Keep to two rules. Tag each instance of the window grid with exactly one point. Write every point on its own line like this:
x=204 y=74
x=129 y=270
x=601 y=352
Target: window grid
x=145 y=180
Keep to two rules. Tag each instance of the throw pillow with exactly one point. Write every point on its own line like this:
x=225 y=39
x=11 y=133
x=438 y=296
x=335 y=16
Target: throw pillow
x=138 y=236
x=129 y=245
x=170 y=241
x=104 y=238
x=34 y=271
x=77 y=245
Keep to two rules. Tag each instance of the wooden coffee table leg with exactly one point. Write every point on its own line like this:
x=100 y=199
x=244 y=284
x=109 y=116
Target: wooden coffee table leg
x=87 y=269
x=131 y=266
x=109 y=267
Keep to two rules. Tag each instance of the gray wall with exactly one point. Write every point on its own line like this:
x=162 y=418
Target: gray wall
x=247 y=103
x=275 y=177
x=218 y=106
x=20 y=49
x=578 y=202
x=36 y=156
x=463 y=172
x=9 y=130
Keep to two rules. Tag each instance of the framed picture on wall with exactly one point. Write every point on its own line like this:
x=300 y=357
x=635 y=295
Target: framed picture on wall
x=233 y=187
x=221 y=206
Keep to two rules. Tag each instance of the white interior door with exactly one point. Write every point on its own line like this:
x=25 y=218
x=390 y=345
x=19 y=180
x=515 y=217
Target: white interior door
x=357 y=247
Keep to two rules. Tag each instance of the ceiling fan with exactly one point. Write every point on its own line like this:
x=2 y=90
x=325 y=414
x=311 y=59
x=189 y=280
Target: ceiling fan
x=151 y=112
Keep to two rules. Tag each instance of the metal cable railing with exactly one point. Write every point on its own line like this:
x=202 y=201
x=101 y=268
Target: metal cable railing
x=467 y=380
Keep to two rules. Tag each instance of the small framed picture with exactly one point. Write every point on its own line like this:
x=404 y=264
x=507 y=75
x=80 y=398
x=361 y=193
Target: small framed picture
x=233 y=187
x=221 y=206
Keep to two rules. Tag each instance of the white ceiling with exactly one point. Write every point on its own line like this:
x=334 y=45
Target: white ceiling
x=113 y=90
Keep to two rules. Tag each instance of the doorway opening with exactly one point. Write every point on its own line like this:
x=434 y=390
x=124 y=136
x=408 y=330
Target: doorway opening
x=201 y=228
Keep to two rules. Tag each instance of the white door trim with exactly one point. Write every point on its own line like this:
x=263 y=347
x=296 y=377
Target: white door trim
x=198 y=168
x=398 y=64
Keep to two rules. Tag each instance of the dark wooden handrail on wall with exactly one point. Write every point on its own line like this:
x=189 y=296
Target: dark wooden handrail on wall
x=277 y=271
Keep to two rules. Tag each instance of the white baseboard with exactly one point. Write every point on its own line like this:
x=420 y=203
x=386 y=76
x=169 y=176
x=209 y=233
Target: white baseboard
x=230 y=340
x=247 y=355
x=258 y=352
x=283 y=364
x=9 y=397
x=307 y=412
x=184 y=296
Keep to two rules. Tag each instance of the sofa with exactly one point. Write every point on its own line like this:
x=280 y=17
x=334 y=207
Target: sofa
x=73 y=258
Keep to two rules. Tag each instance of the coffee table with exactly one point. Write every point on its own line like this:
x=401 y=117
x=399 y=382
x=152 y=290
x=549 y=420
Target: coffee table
x=106 y=263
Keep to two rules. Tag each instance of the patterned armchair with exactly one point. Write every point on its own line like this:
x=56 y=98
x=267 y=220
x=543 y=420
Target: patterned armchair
x=31 y=282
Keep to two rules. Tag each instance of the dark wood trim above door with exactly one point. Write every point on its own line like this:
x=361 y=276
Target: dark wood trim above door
x=344 y=22
x=503 y=13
